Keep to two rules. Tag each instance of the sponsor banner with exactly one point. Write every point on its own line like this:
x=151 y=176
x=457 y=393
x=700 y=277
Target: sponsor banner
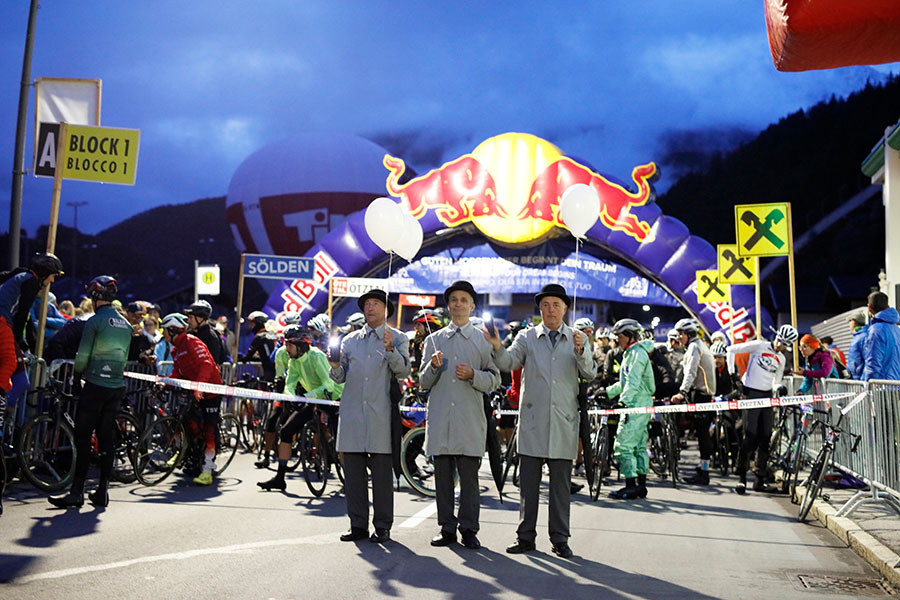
x=354 y=287
x=423 y=300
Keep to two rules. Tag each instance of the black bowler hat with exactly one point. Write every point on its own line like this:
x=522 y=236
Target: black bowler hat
x=462 y=286
x=378 y=295
x=555 y=290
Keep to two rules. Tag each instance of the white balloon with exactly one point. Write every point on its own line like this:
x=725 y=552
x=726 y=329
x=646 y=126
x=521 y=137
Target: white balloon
x=382 y=217
x=410 y=238
x=579 y=208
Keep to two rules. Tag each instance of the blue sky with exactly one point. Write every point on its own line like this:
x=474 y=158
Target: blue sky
x=614 y=83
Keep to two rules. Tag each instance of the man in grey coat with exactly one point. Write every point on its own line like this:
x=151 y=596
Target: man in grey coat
x=553 y=356
x=369 y=358
x=458 y=369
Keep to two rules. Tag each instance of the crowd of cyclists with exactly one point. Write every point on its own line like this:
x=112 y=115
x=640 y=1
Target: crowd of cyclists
x=450 y=356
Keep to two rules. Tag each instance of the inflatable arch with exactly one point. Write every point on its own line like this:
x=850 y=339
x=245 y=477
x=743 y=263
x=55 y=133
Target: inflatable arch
x=505 y=194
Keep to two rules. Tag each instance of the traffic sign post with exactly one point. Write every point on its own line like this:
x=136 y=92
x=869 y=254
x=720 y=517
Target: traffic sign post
x=709 y=289
x=733 y=268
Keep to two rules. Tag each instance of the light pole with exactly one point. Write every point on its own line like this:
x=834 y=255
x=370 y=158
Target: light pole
x=75 y=204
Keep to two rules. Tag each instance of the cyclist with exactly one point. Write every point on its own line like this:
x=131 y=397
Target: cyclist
x=763 y=375
x=17 y=294
x=635 y=388
x=198 y=315
x=307 y=375
x=192 y=361
x=101 y=358
x=320 y=327
x=698 y=385
x=425 y=322
x=262 y=345
x=724 y=385
x=675 y=353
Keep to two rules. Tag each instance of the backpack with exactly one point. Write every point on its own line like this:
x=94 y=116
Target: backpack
x=663 y=375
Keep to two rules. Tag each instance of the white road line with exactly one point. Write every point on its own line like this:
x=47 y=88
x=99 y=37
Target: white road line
x=420 y=516
x=324 y=538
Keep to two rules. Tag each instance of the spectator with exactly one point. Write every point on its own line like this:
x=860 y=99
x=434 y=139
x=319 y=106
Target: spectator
x=198 y=315
x=227 y=335
x=819 y=363
x=857 y=344
x=86 y=307
x=882 y=345
x=836 y=353
x=141 y=348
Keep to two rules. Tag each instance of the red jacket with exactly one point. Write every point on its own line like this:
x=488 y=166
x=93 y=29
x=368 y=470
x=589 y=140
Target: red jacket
x=193 y=360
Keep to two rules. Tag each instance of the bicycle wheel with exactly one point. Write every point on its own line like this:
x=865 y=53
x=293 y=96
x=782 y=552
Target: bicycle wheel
x=228 y=438
x=128 y=433
x=417 y=467
x=46 y=453
x=601 y=460
x=672 y=450
x=656 y=452
x=249 y=424
x=779 y=433
x=315 y=458
x=813 y=484
x=512 y=460
x=797 y=465
x=722 y=453
x=160 y=449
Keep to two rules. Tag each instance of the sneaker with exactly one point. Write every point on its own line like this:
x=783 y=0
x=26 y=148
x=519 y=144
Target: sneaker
x=204 y=478
x=170 y=464
x=741 y=488
x=262 y=463
x=562 y=550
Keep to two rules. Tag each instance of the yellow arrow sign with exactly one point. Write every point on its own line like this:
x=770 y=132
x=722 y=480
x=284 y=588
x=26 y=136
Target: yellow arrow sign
x=710 y=290
x=733 y=268
x=762 y=229
x=101 y=154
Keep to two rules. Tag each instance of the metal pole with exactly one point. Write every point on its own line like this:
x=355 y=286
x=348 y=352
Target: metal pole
x=196 y=269
x=15 y=200
x=240 y=308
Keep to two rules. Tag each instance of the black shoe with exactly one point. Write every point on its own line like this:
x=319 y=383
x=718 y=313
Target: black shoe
x=470 y=540
x=575 y=488
x=701 y=477
x=741 y=488
x=99 y=498
x=443 y=539
x=626 y=493
x=354 y=534
x=380 y=536
x=763 y=487
x=276 y=483
x=519 y=547
x=642 y=486
x=562 y=550
x=261 y=463
x=70 y=500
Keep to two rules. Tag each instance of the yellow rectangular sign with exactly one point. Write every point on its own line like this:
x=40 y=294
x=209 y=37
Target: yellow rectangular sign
x=709 y=289
x=101 y=154
x=733 y=268
x=762 y=229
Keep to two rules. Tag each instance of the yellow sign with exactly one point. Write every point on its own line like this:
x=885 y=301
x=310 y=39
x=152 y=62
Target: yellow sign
x=733 y=268
x=710 y=290
x=101 y=154
x=762 y=229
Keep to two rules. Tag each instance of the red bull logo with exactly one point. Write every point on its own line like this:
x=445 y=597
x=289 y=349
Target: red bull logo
x=510 y=188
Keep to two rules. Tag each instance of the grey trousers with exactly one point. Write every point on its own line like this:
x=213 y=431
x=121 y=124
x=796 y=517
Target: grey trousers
x=357 y=492
x=529 y=489
x=469 y=494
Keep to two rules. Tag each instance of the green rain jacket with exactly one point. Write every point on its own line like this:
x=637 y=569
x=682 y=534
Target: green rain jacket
x=636 y=385
x=310 y=370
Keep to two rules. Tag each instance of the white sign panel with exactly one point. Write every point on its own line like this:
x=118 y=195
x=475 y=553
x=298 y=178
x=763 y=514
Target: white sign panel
x=354 y=287
x=207 y=281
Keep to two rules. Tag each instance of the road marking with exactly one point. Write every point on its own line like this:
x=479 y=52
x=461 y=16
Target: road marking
x=420 y=516
x=323 y=538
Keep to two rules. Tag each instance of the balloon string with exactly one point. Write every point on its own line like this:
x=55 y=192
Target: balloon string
x=387 y=291
x=575 y=291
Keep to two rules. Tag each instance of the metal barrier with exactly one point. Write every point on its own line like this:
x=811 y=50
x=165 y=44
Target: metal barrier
x=877 y=420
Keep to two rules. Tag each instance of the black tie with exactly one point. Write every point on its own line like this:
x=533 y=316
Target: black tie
x=554 y=336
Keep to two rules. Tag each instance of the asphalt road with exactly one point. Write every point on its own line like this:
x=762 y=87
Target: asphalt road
x=234 y=541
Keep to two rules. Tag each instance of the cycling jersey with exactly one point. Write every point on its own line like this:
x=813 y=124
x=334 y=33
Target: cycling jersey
x=193 y=360
x=310 y=370
x=103 y=349
x=261 y=347
x=17 y=294
x=699 y=369
x=765 y=366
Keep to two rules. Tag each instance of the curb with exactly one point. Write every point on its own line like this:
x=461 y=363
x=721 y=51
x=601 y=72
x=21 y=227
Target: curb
x=865 y=545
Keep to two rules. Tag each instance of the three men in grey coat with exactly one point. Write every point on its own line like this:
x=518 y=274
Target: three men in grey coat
x=553 y=356
x=457 y=369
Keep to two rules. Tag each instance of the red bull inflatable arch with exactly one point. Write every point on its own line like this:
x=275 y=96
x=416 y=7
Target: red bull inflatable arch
x=495 y=210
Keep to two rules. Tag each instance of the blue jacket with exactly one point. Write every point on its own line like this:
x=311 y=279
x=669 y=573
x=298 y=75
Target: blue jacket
x=856 y=356
x=882 y=347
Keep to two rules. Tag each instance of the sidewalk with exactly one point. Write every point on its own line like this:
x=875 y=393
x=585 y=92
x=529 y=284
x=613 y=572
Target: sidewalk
x=872 y=530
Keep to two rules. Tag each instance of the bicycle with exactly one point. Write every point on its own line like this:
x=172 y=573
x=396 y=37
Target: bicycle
x=45 y=448
x=250 y=415
x=725 y=441
x=600 y=444
x=165 y=445
x=817 y=472
x=319 y=451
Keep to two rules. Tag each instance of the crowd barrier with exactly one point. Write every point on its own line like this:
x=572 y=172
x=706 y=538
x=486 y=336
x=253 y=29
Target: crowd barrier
x=877 y=419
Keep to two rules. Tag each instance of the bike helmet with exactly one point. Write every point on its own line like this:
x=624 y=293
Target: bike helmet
x=296 y=334
x=103 y=288
x=428 y=317
x=628 y=327
x=787 y=334
x=356 y=320
x=174 y=321
x=200 y=308
x=719 y=349
x=672 y=335
x=45 y=265
x=292 y=319
x=257 y=319
x=583 y=323
x=320 y=323
x=689 y=326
